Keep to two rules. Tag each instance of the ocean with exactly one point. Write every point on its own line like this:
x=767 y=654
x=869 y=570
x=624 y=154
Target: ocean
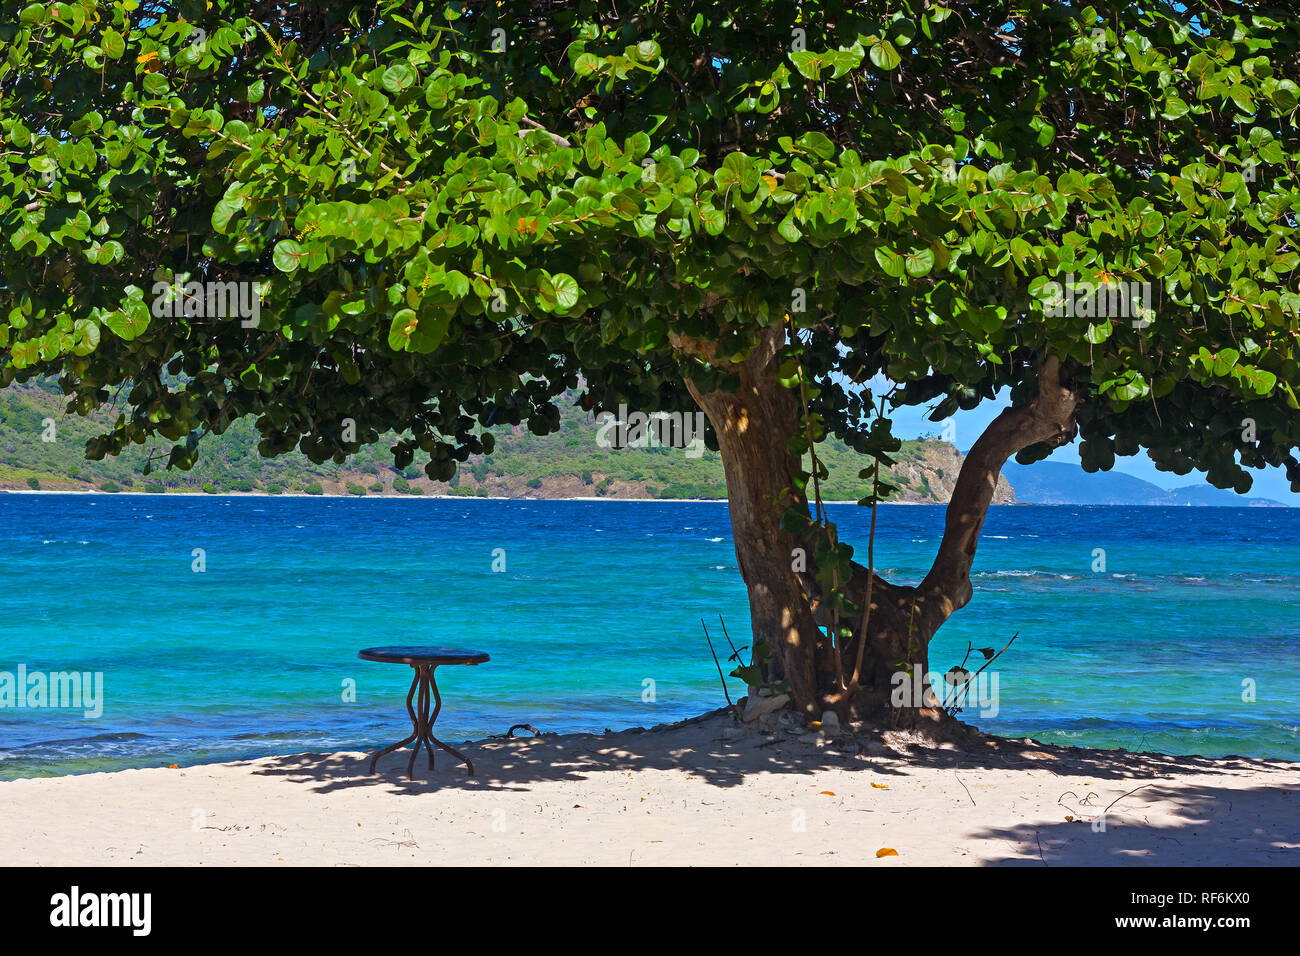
x=227 y=628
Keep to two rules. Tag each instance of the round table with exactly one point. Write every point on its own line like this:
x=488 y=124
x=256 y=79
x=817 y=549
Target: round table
x=424 y=660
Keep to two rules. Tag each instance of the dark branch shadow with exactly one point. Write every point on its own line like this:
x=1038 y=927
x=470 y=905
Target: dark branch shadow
x=1147 y=808
x=712 y=748
x=1216 y=826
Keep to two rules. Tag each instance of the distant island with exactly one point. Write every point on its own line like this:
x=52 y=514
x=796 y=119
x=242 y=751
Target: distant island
x=569 y=463
x=1059 y=483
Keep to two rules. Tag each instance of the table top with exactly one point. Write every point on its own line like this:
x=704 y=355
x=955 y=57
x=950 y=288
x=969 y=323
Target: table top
x=406 y=654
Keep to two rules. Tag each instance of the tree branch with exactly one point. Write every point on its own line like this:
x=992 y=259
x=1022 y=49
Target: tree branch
x=534 y=125
x=1048 y=418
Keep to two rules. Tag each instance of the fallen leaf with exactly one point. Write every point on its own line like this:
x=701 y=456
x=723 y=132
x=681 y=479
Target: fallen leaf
x=886 y=851
x=828 y=793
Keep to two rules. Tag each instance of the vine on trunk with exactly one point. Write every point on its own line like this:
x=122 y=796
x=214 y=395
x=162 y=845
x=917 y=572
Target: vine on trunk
x=832 y=565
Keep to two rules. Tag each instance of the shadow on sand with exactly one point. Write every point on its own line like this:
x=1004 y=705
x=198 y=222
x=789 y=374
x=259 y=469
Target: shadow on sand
x=1230 y=824
x=1211 y=826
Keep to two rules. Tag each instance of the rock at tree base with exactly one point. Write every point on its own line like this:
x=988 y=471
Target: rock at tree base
x=756 y=707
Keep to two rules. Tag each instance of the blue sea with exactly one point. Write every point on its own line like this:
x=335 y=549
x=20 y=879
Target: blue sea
x=228 y=627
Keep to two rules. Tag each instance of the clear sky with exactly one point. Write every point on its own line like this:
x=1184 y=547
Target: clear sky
x=912 y=422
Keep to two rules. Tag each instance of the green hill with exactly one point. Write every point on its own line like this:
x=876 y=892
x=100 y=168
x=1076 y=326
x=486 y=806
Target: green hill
x=567 y=464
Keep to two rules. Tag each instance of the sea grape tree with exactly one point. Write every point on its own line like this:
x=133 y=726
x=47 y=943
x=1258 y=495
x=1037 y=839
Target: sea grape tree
x=343 y=220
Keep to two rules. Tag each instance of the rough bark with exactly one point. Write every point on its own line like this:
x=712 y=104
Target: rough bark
x=753 y=425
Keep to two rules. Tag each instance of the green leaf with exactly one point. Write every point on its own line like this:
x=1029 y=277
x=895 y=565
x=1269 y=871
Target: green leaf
x=430 y=331
x=817 y=143
x=228 y=205
x=558 y=292
x=751 y=674
x=712 y=218
x=892 y=262
x=130 y=321
x=884 y=55
x=1285 y=95
x=919 y=262
x=113 y=44
x=789 y=230
x=1175 y=107
x=288 y=255
x=399 y=77
x=810 y=64
x=1098 y=333
x=456 y=283
x=105 y=253
x=401 y=329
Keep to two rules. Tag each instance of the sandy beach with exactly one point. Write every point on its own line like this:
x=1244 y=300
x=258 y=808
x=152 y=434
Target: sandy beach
x=703 y=792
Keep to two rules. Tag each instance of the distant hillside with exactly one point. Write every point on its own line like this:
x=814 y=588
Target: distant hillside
x=1208 y=496
x=1056 y=483
x=1060 y=483
x=566 y=464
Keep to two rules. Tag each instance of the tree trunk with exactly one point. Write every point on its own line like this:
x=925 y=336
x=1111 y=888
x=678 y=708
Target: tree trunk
x=754 y=425
x=897 y=650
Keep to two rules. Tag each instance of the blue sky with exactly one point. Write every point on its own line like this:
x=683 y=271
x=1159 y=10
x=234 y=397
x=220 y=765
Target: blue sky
x=912 y=422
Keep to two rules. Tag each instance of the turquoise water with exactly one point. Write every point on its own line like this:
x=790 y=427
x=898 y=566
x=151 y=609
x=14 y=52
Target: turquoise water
x=595 y=621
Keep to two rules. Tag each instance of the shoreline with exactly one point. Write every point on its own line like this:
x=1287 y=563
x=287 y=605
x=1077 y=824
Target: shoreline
x=588 y=498
x=263 y=494
x=703 y=791
x=387 y=497
x=1118 y=752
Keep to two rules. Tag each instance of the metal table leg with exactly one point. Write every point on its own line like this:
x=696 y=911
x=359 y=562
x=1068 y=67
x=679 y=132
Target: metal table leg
x=415 y=727
x=431 y=739
x=422 y=722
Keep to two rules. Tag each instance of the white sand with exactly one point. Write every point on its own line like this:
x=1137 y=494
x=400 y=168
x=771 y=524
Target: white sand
x=705 y=792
